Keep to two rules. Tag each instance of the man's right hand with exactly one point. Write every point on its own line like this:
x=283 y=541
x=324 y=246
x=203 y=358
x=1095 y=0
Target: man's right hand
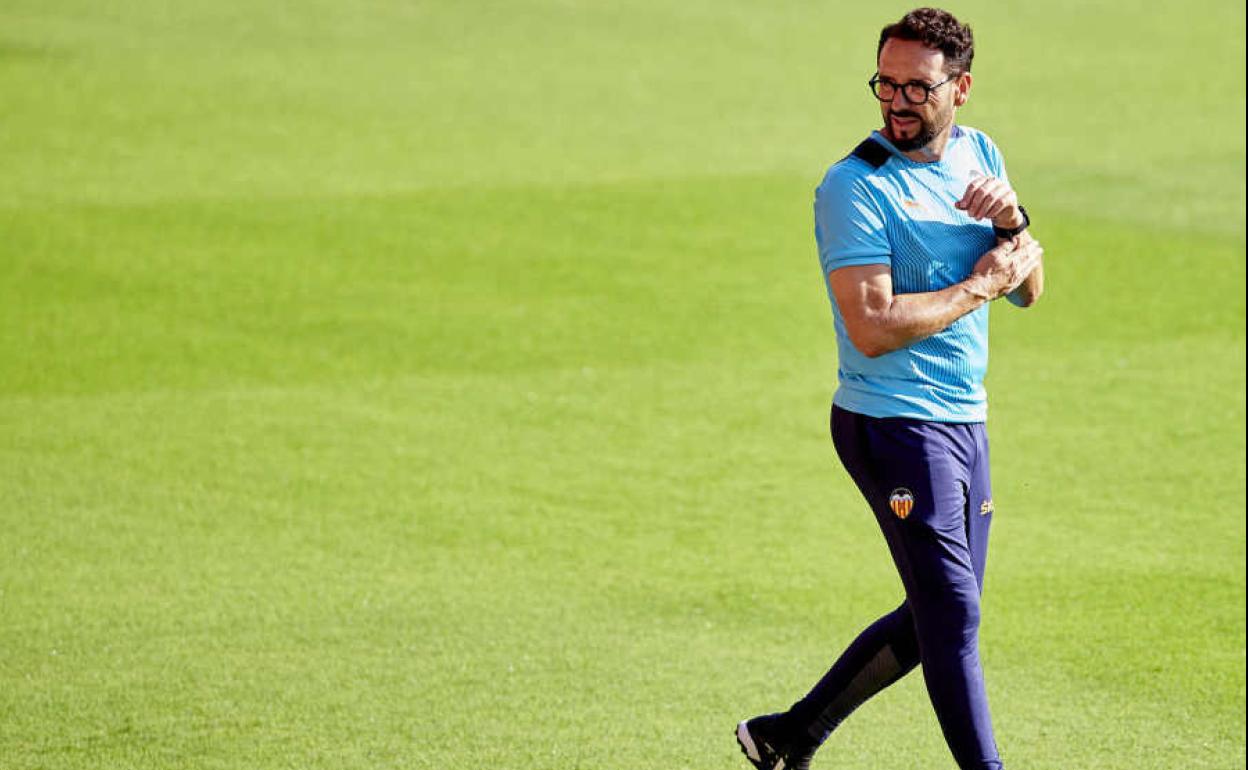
x=1001 y=270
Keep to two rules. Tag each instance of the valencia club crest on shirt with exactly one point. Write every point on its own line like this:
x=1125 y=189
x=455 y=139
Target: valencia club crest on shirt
x=901 y=501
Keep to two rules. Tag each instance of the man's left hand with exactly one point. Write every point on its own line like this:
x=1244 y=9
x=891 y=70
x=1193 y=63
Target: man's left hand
x=988 y=197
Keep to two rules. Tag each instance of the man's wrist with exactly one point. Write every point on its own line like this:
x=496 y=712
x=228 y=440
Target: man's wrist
x=1011 y=223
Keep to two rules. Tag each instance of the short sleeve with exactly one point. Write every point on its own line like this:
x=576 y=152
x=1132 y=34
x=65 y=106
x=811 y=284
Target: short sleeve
x=849 y=226
x=994 y=158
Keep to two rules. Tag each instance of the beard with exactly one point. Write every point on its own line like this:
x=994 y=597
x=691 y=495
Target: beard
x=928 y=129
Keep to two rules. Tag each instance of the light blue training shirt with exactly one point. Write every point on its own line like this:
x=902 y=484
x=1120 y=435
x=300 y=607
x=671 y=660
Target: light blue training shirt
x=901 y=214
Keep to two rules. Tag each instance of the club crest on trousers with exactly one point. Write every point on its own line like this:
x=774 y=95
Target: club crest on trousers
x=901 y=501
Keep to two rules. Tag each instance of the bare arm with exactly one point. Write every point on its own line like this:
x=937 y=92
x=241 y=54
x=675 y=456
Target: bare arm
x=879 y=321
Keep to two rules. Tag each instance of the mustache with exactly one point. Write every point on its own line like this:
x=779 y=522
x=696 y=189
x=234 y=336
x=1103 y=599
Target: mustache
x=903 y=114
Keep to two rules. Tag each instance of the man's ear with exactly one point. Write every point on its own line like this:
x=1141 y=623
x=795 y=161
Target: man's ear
x=962 y=89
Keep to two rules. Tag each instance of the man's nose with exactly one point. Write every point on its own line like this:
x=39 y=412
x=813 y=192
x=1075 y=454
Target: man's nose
x=900 y=93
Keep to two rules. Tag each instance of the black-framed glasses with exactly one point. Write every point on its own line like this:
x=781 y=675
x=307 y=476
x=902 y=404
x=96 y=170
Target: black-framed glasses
x=916 y=92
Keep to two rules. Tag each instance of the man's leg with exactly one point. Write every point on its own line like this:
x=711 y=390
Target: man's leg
x=883 y=653
x=886 y=650
x=926 y=520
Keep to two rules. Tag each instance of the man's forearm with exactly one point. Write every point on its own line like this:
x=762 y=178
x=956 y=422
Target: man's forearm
x=909 y=318
x=879 y=321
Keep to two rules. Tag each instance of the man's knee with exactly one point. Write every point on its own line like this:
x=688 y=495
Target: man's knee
x=949 y=612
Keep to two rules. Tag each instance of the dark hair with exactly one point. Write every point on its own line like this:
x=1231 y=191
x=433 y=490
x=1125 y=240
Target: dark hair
x=937 y=29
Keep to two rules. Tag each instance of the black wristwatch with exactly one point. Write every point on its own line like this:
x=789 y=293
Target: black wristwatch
x=1007 y=233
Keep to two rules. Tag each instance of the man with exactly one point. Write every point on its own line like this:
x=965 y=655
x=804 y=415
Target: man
x=918 y=231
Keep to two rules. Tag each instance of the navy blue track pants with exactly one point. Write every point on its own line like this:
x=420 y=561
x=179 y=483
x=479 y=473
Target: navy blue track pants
x=928 y=485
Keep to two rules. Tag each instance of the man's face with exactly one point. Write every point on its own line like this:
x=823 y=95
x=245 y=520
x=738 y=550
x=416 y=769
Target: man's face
x=911 y=126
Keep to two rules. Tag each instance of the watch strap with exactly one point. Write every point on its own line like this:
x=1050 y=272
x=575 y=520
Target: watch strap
x=1009 y=232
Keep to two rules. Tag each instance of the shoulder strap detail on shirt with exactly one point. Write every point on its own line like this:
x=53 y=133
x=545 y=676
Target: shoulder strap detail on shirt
x=872 y=152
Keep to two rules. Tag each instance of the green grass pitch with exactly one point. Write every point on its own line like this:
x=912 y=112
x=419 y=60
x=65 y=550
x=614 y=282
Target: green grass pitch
x=421 y=384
